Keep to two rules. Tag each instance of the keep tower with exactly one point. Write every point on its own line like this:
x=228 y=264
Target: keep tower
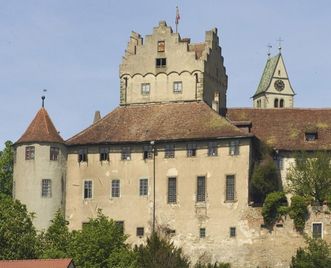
x=39 y=169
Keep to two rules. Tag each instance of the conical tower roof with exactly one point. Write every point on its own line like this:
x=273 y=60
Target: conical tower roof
x=41 y=129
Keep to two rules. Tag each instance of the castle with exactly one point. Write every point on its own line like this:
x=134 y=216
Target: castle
x=174 y=156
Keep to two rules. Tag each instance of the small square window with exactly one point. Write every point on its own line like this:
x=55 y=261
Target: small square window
x=143 y=187
x=126 y=153
x=140 y=231
x=191 y=150
x=234 y=148
x=178 y=87
x=115 y=188
x=82 y=155
x=311 y=136
x=160 y=46
x=145 y=89
x=87 y=189
x=160 y=62
x=232 y=231
x=29 y=153
x=148 y=152
x=104 y=154
x=202 y=232
x=46 y=188
x=212 y=149
x=54 y=153
x=169 y=151
x=317 y=230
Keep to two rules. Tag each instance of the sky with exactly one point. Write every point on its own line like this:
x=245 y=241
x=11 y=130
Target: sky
x=74 y=48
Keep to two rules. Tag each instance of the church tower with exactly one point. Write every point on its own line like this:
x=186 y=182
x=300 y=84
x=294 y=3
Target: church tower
x=274 y=90
x=39 y=169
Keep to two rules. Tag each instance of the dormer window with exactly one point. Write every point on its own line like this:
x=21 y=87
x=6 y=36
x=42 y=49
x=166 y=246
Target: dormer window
x=29 y=153
x=82 y=155
x=160 y=46
x=311 y=136
x=160 y=62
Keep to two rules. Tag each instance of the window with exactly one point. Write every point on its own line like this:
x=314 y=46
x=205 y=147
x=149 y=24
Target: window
x=145 y=89
x=201 y=189
x=232 y=231
x=29 y=153
x=230 y=188
x=212 y=149
x=178 y=87
x=281 y=103
x=160 y=46
x=311 y=136
x=276 y=103
x=280 y=163
x=54 y=153
x=258 y=103
x=202 y=232
x=169 y=151
x=46 y=188
x=115 y=188
x=87 y=189
x=191 y=149
x=317 y=230
x=172 y=194
x=140 y=231
x=104 y=154
x=126 y=153
x=148 y=152
x=82 y=155
x=160 y=62
x=143 y=187
x=120 y=225
x=234 y=148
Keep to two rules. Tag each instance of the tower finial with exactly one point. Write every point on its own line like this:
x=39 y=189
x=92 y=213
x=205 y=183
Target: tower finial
x=269 y=46
x=280 y=40
x=177 y=18
x=43 y=98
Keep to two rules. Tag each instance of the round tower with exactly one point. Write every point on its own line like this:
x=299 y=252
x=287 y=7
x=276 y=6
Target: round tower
x=39 y=169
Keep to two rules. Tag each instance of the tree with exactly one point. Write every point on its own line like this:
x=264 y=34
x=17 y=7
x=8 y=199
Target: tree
x=6 y=169
x=160 y=253
x=311 y=176
x=274 y=206
x=264 y=180
x=96 y=242
x=17 y=234
x=54 y=243
x=316 y=255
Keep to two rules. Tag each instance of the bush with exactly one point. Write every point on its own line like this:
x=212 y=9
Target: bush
x=215 y=265
x=299 y=212
x=275 y=205
x=264 y=180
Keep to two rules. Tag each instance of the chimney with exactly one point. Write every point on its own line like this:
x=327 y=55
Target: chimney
x=97 y=116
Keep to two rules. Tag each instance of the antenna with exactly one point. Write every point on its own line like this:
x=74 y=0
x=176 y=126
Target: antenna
x=280 y=40
x=269 y=46
x=43 y=98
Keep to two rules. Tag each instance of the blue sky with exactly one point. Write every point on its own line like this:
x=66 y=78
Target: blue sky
x=73 y=49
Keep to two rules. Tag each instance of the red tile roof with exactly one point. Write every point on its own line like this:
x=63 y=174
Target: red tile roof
x=41 y=129
x=46 y=263
x=167 y=121
x=285 y=129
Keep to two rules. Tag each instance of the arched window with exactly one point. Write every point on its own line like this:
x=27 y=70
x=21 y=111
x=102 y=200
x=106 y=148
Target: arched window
x=276 y=103
x=281 y=103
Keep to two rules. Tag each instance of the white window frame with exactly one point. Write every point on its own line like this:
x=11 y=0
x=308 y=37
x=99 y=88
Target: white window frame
x=145 y=89
x=177 y=87
x=113 y=188
x=92 y=188
x=143 y=188
x=48 y=192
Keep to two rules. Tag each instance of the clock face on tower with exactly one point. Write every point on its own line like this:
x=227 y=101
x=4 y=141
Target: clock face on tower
x=279 y=85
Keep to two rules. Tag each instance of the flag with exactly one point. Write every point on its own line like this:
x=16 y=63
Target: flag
x=177 y=15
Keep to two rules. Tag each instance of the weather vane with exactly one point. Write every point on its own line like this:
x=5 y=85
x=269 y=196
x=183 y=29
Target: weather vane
x=43 y=98
x=280 y=40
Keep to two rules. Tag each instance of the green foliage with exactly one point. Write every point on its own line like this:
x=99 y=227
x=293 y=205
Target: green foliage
x=123 y=258
x=215 y=265
x=94 y=244
x=160 y=253
x=311 y=176
x=264 y=180
x=55 y=241
x=6 y=169
x=274 y=206
x=17 y=234
x=316 y=255
x=299 y=212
